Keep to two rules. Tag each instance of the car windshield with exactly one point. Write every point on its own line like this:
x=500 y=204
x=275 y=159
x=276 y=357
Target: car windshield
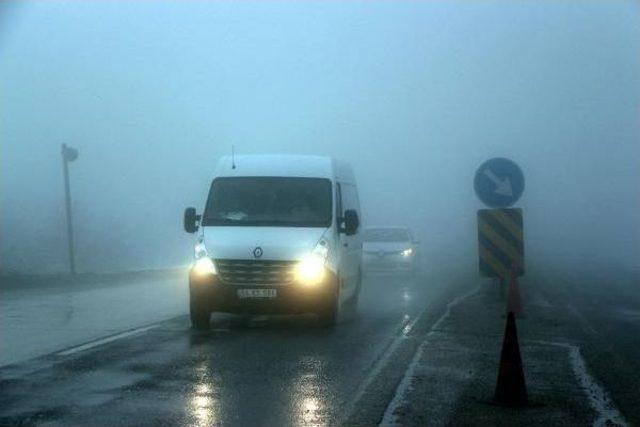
x=386 y=235
x=269 y=201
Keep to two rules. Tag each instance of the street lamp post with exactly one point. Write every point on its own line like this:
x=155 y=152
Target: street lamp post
x=69 y=155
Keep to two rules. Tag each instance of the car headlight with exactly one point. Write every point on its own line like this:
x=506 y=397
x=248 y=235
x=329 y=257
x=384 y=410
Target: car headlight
x=203 y=265
x=407 y=252
x=310 y=270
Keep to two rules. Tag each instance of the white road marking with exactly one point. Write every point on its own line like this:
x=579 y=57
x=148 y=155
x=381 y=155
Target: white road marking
x=389 y=417
x=381 y=362
x=383 y=359
x=608 y=414
x=108 y=339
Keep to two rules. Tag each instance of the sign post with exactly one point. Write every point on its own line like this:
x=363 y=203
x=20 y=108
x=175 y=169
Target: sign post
x=69 y=155
x=499 y=183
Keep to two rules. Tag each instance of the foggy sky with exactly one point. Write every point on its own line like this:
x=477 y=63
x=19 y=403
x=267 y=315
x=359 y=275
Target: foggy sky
x=414 y=95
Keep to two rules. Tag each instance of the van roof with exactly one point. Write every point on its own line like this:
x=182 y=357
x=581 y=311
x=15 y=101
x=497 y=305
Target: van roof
x=284 y=165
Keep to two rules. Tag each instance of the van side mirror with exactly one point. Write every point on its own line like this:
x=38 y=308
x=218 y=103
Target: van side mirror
x=191 y=220
x=351 y=222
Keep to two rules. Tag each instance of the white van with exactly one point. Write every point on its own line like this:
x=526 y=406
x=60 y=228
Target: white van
x=278 y=235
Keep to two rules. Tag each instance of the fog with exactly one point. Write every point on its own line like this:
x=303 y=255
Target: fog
x=414 y=95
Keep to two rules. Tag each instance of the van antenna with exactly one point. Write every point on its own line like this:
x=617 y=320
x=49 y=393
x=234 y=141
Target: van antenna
x=233 y=158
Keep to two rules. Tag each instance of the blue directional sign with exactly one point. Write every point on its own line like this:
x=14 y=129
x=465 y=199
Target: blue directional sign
x=499 y=182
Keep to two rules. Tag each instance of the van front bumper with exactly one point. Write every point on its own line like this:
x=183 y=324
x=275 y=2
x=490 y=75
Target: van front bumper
x=292 y=298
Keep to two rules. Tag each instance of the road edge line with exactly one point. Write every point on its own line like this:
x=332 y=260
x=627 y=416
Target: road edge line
x=597 y=396
x=381 y=362
x=105 y=340
x=389 y=418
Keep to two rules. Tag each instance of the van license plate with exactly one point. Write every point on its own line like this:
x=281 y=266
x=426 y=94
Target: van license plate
x=257 y=293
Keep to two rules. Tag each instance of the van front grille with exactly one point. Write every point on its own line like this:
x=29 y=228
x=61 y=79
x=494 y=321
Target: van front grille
x=254 y=272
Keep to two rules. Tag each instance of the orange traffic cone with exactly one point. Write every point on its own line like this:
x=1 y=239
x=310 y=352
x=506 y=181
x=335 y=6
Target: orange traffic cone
x=511 y=389
x=514 y=303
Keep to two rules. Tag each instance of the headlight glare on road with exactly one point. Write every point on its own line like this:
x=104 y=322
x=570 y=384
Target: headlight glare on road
x=204 y=266
x=310 y=270
x=407 y=252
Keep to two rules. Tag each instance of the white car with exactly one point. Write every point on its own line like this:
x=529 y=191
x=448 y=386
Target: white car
x=278 y=234
x=389 y=250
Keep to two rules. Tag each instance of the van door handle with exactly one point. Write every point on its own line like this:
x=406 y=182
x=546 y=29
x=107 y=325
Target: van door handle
x=345 y=245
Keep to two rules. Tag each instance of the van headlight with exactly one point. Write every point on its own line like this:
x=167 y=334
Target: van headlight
x=310 y=270
x=407 y=252
x=203 y=265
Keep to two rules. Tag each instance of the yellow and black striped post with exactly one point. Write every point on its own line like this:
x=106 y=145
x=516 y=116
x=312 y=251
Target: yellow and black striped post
x=500 y=242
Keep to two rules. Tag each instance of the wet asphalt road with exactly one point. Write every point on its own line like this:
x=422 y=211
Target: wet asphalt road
x=608 y=306
x=244 y=371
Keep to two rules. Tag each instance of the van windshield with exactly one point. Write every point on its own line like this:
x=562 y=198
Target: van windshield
x=269 y=201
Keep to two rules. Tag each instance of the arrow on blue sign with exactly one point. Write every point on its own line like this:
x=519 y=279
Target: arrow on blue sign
x=499 y=182
x=503 y=186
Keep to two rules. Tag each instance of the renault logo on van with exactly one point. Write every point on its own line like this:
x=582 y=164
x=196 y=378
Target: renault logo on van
x=257 y=252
